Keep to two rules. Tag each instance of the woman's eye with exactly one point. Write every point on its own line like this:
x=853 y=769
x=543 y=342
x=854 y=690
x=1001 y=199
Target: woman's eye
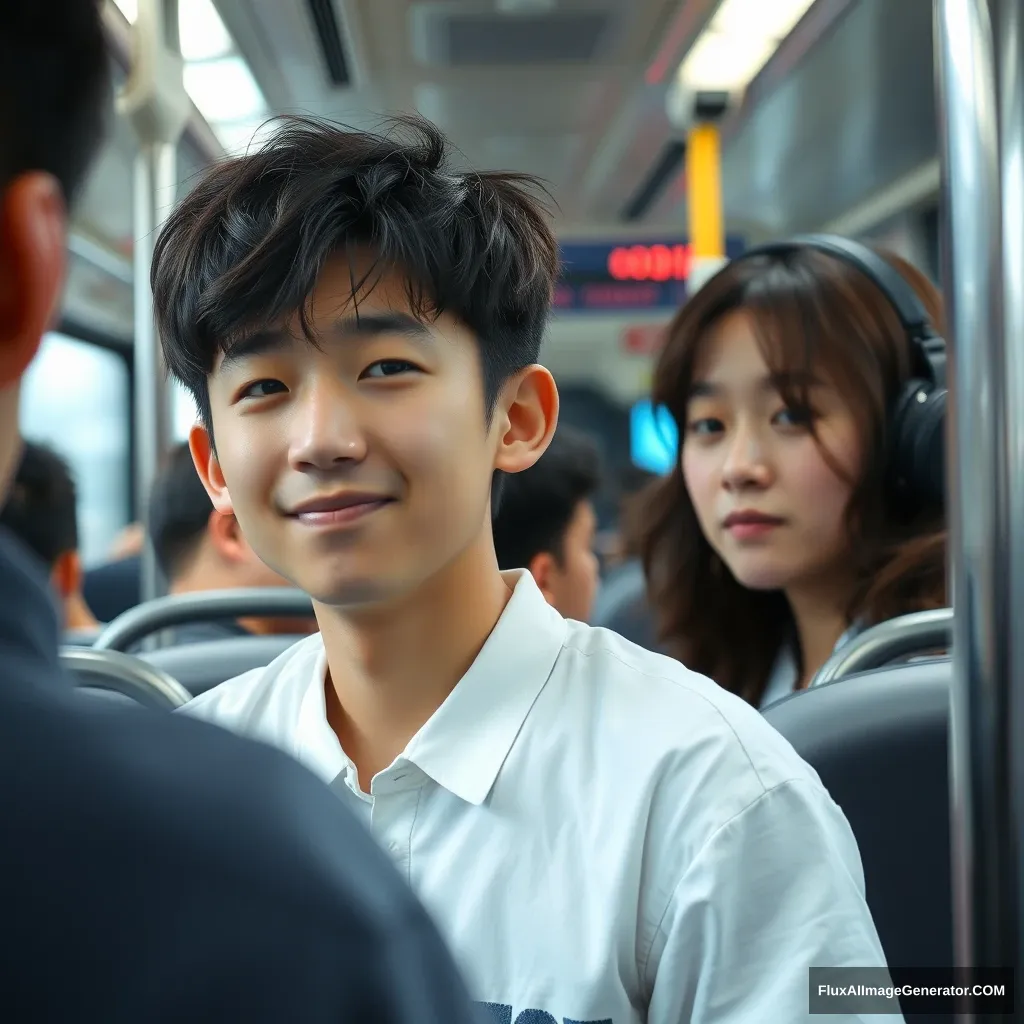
x=794 y=416
x=389 y=368
x=705 y=426
x=263 y=388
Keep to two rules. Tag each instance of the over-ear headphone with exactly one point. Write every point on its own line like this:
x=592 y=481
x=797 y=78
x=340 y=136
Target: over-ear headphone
x=916 y=460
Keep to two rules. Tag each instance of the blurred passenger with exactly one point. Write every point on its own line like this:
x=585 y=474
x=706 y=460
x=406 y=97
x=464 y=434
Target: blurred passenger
x=621 y=604
x=128 y=543
x=154 y=868
x=619 y=547
x=114 y=587
x=42 y=511
x=199 y=549
x=359 y=323
x=546 y=522
x=778 y=536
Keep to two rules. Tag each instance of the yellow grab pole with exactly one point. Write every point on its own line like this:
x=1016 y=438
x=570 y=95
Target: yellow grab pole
x=704 y=202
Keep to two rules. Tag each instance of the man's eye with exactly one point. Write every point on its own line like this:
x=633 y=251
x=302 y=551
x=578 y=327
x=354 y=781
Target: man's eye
x=389 y=368
x=262 y=388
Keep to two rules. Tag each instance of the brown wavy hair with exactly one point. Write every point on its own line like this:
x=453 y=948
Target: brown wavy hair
x=809 y=310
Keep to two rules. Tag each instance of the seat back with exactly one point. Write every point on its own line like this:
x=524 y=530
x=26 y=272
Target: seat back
x=93 y=670
x=201 y=666
x=79 y=637
x=205 y=606
x=879 y=742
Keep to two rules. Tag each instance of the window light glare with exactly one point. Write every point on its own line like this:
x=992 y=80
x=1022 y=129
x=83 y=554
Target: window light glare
x=224 y=90
x=203 y=34
x=129 y=8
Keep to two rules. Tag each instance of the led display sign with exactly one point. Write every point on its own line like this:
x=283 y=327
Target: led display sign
x=650 y=262
x=606 y=277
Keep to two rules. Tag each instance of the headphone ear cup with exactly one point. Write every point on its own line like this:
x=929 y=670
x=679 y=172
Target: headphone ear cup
x=917 y=455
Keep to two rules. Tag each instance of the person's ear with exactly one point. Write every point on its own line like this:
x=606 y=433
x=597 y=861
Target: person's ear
x=543 y=568
x=66 y=574
x=226 y=536
x=526 y=417
x=208 y=468
x=33 y=228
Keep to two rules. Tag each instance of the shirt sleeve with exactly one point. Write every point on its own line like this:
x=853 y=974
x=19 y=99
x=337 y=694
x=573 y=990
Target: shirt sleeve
x=776 y=890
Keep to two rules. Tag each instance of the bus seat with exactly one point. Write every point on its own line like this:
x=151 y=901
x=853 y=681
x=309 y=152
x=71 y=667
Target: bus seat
x=113 y=697
x=79 y=637
x=879 y=742
x=201 y=666
x=96 y=670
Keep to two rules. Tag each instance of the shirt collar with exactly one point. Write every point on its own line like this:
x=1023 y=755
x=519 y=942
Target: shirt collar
x=466 y=741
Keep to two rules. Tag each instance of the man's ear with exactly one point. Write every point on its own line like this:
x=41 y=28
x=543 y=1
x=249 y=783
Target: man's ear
x=543 y=568
x=208 y=469
x=526 y=417
x=33 y=228
x=226 y=536
x=66 y=574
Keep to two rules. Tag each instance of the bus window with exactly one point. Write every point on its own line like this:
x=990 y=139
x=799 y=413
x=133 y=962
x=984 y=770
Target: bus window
x=75 y=398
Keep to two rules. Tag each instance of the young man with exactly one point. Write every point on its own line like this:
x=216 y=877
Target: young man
x=602 y=834
x=199 y=548
x=545 y=522
x=152 y=868
x=42 y=512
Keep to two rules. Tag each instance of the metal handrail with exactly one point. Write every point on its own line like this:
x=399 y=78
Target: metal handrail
x=163 y=612
x=124 y=674
x=979 y=48
x=888 y=642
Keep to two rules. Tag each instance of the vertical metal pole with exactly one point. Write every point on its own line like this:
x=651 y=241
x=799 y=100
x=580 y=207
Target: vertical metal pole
x=155 y=178
x=1008 y=29
x=156 y=103
x=986 y=469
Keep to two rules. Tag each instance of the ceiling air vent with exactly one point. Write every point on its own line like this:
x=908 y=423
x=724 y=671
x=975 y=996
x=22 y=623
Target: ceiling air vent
x=332 y=48
x=497 y=40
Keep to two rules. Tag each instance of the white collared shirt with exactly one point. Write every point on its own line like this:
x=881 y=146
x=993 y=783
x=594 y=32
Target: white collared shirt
x=601 y=834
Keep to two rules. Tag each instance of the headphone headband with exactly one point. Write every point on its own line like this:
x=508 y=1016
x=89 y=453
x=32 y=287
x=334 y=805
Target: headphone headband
x=929 y=349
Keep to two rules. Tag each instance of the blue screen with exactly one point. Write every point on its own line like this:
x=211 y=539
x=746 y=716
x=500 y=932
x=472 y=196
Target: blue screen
x=653 y=438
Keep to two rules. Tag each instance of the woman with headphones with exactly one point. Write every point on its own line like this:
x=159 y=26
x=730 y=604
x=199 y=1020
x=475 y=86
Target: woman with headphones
x=806 y=504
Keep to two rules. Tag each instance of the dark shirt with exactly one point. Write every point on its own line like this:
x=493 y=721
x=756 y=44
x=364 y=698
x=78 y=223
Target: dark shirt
x=155 y=868
x=113 y=588
x=621 y=606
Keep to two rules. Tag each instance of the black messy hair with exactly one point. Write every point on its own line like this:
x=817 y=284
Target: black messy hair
x=245 y=248
x=41 y=509
x=538 y=504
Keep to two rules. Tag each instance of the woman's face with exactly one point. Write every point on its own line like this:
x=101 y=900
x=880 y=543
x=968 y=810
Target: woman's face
x=769 y=501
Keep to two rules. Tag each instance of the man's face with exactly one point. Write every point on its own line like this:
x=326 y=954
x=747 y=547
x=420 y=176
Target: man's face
x=360 y=468
x=570 y=582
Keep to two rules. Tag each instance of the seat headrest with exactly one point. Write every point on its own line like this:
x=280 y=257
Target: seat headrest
x=869 y=710
x=201 y=666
